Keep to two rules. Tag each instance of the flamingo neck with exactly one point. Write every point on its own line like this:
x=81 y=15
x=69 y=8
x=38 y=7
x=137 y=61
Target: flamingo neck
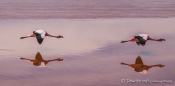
x=52 y=60
x=50 y=35
x=153 y=39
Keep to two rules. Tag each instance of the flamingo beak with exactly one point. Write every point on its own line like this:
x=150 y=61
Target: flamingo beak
x=161 y=39
x=59 y=36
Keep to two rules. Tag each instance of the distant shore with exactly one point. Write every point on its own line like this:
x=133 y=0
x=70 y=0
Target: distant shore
x=90 y=9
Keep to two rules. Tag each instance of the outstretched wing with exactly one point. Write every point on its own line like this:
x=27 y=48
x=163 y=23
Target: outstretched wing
x=138 y=60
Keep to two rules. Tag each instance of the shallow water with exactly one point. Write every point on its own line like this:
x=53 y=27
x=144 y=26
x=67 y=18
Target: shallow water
x=91 y=46
x=82 y=9
x=91 y=50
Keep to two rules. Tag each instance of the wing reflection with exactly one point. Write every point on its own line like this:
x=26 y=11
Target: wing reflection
x=140 y=67
x=39 y=61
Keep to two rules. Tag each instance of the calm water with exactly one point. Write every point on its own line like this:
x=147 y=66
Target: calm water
x=91 y=46
x=82 y=9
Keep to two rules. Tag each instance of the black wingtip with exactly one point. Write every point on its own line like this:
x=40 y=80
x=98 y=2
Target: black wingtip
x=139 y=56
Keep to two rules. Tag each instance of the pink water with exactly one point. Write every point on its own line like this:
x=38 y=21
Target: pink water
x=91 y=47
x=83 y=9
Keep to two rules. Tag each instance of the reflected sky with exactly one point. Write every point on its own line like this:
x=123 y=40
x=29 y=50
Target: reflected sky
x=81 y=36
x=91 y=50
x=83 y=9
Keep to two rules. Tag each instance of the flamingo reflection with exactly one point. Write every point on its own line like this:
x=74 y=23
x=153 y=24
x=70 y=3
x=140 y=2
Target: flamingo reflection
x=39 y=61
x=140 y=67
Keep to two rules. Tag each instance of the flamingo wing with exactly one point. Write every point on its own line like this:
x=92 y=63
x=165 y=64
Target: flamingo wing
x=39 y=39
x=138 y=60
x=40 y=34
x=38 y=57
x=142 y=41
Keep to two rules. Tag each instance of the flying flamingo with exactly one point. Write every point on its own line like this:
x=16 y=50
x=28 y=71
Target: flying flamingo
x=39 y=61
x=141 y=39
x=40 y=34
x=140 y=67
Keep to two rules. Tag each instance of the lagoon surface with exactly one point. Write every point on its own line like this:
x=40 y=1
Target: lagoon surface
x=91 y=46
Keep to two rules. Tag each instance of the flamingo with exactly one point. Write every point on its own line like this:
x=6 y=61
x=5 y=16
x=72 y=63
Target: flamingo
x=140 y=67
x=142 y=38
x=40 y=34
x=39 y=61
